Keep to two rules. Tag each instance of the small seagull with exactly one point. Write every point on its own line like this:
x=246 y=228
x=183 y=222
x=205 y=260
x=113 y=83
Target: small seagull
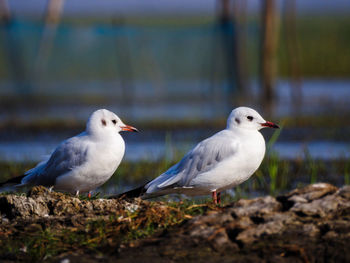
x=84 y=162
x=223 y=161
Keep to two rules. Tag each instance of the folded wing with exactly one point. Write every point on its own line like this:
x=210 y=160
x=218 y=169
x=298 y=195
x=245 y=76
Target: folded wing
x=204 y=157
x=68 y=155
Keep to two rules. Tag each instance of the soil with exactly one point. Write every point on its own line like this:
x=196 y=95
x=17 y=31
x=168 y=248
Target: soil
x=311 y=224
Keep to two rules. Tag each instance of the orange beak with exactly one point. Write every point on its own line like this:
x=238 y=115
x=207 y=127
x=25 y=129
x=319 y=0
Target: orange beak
x=129 y=128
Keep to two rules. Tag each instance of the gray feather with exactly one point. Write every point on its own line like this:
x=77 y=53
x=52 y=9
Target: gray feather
x=69 y=154
x=204 y=157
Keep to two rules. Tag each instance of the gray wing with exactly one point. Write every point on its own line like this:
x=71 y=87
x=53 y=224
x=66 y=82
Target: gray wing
x=69 y=154
x=204 y=157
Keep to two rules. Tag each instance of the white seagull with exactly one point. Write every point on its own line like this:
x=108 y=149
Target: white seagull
x=224 y=160
x=84 y=162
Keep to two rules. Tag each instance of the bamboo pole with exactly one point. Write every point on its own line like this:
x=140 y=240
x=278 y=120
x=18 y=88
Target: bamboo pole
x=54 y=10
x=228 y=39
x=13 y=50
x=4 y=11
x=293 y=53
x=123 y=60
x=269 y=41
x=52 y=17
x=240 y=18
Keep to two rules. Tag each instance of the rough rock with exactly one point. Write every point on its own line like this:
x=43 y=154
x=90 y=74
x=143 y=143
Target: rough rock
x=311 y=224
x=41 y=203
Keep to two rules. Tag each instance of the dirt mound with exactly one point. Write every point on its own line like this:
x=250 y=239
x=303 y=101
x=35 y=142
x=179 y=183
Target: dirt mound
x=306 y=225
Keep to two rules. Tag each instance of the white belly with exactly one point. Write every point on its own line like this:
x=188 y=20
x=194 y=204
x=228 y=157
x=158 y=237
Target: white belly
x=232 y=171
x=94 y=173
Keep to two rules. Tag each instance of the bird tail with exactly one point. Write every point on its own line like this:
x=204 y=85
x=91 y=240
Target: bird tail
x=15 y=180
x=137 y=192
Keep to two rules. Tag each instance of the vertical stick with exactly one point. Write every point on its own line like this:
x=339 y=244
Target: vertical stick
x=53 y=14
x=269 y=42
x=239 y=14
x=4 y=11
x=228 y=31
x=54 y=9
x=13 y=51
x=123 y=58
x=293 y=53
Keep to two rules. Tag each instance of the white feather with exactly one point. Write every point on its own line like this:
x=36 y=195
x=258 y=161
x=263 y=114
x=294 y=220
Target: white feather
x=226 y=159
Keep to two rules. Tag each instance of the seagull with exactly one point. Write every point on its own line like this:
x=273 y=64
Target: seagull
x=84 y=162
x=220 y=162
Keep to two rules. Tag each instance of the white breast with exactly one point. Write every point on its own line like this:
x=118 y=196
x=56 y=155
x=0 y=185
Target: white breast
x=98 y=168
x=235 y=169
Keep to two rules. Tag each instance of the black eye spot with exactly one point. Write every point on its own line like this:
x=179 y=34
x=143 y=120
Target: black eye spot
x=114 y=122
x=250 y=118
x=104 y=123
x=238 y=121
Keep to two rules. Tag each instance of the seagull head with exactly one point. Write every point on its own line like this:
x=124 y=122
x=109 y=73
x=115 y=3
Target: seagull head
x=247 y=118
x=104 y=122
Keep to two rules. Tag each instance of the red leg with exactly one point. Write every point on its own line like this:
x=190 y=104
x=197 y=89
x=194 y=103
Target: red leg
x=214 y=196
x=89 y=195
x=219 y=197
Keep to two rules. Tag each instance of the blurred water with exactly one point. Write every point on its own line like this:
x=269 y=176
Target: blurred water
x=132 y=7
x=184 y=101
x=319 y=97
x=35 y=151
x=178 y=100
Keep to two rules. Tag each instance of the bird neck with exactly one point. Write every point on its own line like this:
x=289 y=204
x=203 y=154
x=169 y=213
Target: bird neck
x=237 y=129
x=98 y=135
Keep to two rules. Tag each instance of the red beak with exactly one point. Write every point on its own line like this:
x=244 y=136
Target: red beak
x=129 y=128
x=270 y=125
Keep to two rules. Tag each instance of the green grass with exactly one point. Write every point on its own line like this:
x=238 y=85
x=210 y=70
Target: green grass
x=275 y=176
x=323 y=41
x=324 y=47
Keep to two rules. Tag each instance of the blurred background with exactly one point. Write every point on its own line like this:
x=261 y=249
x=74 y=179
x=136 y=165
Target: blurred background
x=175 y=70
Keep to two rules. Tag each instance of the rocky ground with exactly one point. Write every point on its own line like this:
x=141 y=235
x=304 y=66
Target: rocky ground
x=311 y=224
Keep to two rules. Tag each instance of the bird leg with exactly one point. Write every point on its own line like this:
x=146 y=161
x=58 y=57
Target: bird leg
x=89 y=194
x=77 y=193
x=215 y=197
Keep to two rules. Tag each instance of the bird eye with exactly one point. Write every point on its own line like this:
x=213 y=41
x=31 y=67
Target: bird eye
x=250 y=118
x=114 y=121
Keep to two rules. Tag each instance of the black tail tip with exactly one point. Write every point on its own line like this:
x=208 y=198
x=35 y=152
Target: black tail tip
x=134 y=193
x=13 y=181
